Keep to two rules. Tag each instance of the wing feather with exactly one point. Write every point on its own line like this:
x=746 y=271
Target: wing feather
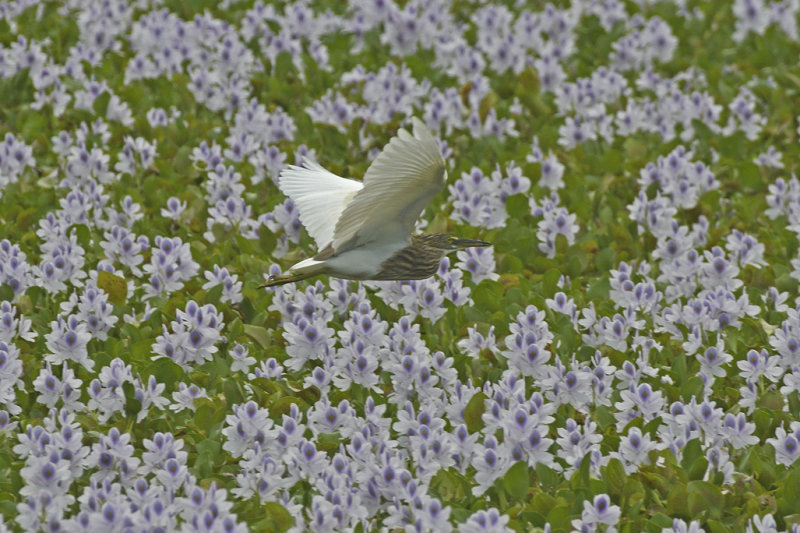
x=398 y=185
x=319 y=195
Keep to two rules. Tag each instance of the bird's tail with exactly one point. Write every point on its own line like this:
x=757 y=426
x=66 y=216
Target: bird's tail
x=289 y=277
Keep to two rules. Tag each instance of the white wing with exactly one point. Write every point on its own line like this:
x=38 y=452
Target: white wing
x=319 y=195
x=398 y=185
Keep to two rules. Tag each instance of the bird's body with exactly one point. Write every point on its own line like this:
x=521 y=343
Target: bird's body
x=363 y=230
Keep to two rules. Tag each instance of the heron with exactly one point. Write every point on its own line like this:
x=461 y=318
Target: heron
x=363 y=229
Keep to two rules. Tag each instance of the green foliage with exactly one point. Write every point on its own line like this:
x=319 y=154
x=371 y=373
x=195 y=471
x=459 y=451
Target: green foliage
x=473 y=413
x=600 y=184
x=113 y=285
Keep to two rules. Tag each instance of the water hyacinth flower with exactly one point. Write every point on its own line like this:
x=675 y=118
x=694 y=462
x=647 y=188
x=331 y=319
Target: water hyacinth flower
x=185 y=396
x=555 y=221
x=231 y=287
x=638 y=401
x=14 y=270
x=171 y=264
x=15 y=157
x=491 y=461
x=52 y=388
x=680 y=526
x=10 y=376
x=757 y=364
x=419 y=365
x=485 y=521
x=174 y=209
x=423 y=297
x=577 y=443
x=634 y=450
x=786 y=444
x=712 y=362
x=475 y=342
x=12 y=326
x=242 y=361
x=479 y=262
x=106 y=394
x=598 y=511
x=67 y=341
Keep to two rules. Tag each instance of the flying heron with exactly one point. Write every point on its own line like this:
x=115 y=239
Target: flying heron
x=363 y=229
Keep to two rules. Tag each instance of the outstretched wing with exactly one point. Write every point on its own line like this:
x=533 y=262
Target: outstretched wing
x=398 y=185
x=320 y=196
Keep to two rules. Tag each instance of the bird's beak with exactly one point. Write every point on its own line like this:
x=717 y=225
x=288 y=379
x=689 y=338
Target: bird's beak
x=469 y=243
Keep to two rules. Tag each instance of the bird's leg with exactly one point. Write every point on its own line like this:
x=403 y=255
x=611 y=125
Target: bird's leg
x=289 y=277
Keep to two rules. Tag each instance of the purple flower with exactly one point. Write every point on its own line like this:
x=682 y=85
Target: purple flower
x=479 y=262
x=248 y=427
x=786 y=444
x=634 y=450
x=231 y=287
x=490 y=461
x=67 y=341
x=600 y=511
x=491 y=521
x=174 y=209
x=185 y=396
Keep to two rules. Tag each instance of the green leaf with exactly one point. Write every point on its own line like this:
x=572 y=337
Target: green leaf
x=604 y=261
x=132 y=404
x=548 y=478
x=283 y=405
x=235 y=329
x=100 y=104
x=580 y=478
x=517 y=206
x=6 y=292
x=165 y=371
x=703 y=496
x=141 y=350
x=679 y=369
x=208 y=456
x=473 y=412
x=599 y=290
x=488 y=296
x=604 y=417
x=614 y=475
x=450 y=485
x=694 y=461
x=204 y=414
x=550 y=282
x=714 y=526
x=660 y=521
x=258 y=334
x=560 y=517
x=276 y=519
x=516 y=481
x=113 y=285
x=213 y=295
x=635 y=148
x=542 y=503
x=749 y=174
x=611 y=162
x=791 y=484
x=82 y=235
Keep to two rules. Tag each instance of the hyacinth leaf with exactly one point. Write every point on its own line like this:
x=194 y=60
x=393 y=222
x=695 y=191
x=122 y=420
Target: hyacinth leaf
x=473 y=413
x=516 y=481
x=633 y=166
x=114 y=286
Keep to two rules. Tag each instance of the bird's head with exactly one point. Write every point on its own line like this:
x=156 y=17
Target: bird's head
x=450 y=243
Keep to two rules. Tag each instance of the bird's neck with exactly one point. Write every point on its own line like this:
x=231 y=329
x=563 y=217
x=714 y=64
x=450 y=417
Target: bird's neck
x=418 y=260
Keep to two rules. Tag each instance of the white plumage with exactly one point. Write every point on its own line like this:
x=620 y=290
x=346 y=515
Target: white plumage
x=358 y=225
x=320 y=196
